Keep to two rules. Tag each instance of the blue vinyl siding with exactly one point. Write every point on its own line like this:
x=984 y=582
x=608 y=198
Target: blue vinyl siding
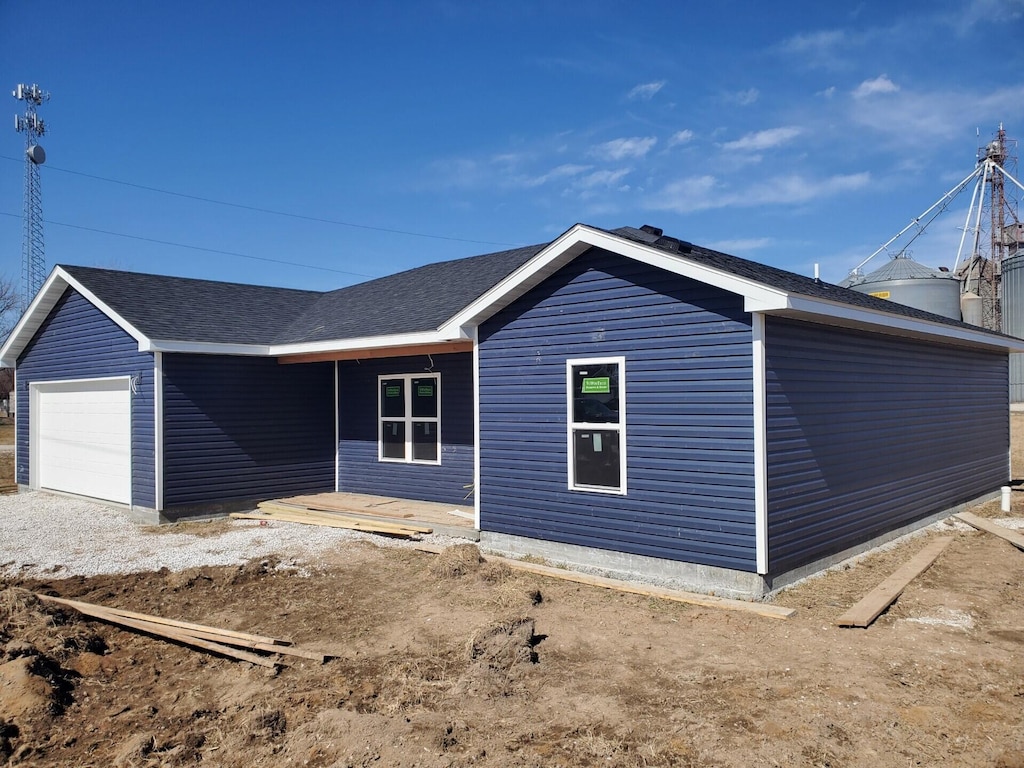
x=867 y=433
x=689 y=414
x=359 y=471
x=78 y=341
x=240 y=428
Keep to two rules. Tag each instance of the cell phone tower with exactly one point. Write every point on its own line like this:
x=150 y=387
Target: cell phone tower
x=33 y=253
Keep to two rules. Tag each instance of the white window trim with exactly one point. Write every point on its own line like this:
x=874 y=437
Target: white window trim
x=409 y=419
x=574 y=425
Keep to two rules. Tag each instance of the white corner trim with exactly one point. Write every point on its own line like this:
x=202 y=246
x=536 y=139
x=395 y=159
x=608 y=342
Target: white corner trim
x=337 y=430
x=476 y=429
x=158 y=430
x=760 y=443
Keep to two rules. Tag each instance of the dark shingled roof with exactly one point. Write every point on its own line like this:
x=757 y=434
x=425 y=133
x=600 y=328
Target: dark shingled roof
x=184 y=309
x=791 y=282
x=421 y=299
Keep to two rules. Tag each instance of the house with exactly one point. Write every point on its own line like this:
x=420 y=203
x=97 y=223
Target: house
x=618 y=399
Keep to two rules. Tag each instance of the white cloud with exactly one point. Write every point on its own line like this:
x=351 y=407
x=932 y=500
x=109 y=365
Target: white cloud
x=881 y=84
x=814 y=44
x=646 y=91
x=794 y=188
x=681 y=137
x=766 y=139
x=567 y=170
x=828 y=93
x=699 y=193
x=745 y=98
x=602 y=178
x=619 y=149
x=688 y=195
x=909 y=118
x=741 y=245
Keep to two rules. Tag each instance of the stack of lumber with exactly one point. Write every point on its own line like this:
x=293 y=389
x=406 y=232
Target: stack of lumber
x=226 y=642
x=294 y=513
x=329 y=502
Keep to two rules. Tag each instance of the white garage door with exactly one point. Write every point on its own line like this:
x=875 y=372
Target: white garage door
x=83 y=438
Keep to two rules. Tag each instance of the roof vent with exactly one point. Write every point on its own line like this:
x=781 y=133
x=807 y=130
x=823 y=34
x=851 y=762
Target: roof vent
x=652 y=230
x=673 y=244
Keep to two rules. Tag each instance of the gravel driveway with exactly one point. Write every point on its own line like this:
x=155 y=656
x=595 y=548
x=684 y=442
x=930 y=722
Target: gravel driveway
x=44 y=535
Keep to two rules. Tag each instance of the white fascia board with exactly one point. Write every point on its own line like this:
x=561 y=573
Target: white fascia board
x=205 y=348
x=844 y=315
x=48 y=296
x=580 y=239
x=367 y=342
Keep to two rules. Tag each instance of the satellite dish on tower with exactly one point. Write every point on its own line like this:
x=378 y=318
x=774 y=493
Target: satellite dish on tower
x=36 y=154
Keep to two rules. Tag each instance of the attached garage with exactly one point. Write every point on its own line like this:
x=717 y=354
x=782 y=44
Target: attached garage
x=81 y=437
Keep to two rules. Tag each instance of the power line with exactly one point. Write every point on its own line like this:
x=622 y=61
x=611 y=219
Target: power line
x=271 y=211
x=195 y=247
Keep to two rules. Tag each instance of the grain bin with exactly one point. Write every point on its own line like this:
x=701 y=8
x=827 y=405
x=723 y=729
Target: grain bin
x=1013 y=318
x=905 y=281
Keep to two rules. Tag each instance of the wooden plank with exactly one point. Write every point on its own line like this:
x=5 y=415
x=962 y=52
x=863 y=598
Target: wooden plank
x=331 y=517
x=180 y=636
x=989 y=527
x=635 y=588
x=272 y=507
x=331 y=505
x=871 y=606
x=185 y=625
x=364 y=526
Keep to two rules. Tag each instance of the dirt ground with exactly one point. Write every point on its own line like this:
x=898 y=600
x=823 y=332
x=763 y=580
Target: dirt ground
x=445 y=661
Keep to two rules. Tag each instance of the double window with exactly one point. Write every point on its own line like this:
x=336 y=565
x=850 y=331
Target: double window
x=597 y=424
x=409 y=418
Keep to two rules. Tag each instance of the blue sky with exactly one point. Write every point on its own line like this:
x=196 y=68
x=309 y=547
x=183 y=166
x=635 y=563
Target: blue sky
x=788 y=133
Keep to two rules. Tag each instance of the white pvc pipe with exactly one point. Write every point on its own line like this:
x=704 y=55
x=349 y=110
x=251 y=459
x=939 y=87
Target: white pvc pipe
x=1005 y=505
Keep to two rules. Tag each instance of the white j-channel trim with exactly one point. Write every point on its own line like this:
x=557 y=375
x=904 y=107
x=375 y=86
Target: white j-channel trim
x=571 y=425
x=760 y=444
x=337 y=430
x=476 y=428
x=158 y=430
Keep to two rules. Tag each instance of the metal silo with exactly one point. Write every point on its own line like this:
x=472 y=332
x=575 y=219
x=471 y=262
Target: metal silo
x=1013 y=318
x=905 y=281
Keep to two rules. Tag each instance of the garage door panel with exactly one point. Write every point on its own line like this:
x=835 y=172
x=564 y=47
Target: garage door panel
x=84 y=439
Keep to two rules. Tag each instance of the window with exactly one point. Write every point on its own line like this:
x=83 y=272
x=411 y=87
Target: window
x=410 y=418
x=597 y=424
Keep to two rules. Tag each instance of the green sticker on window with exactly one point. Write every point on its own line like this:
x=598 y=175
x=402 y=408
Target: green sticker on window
x=599 y=385
x=392 y=391
x=425 y=390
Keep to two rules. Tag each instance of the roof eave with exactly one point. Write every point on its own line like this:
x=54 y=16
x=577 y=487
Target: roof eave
x=856 y=318
x=578 y=240
x=365 y=342
x=44 y=302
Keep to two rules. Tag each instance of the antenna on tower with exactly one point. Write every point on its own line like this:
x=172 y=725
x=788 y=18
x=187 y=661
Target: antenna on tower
x=33 y=255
